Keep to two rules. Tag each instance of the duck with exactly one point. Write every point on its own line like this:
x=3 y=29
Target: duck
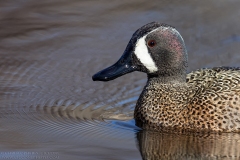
x=173 y=100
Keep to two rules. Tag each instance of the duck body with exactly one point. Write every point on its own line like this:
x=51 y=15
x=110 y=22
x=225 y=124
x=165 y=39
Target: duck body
x=172 y=100
x=209 y=100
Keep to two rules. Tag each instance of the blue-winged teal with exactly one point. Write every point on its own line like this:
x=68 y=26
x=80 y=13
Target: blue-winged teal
x=203 y=100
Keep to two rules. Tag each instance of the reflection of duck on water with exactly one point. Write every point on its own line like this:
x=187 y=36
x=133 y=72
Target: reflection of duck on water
x=158 y=145
x=203 y=100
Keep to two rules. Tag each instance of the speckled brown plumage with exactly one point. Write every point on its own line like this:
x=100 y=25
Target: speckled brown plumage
x=209 y=101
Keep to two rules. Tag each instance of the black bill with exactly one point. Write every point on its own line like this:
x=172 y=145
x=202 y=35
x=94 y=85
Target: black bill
x=122 y=66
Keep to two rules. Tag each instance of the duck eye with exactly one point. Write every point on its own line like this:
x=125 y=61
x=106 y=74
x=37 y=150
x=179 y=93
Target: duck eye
x=151 y=43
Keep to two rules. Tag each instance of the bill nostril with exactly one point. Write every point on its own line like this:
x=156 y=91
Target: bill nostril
x=122 y=61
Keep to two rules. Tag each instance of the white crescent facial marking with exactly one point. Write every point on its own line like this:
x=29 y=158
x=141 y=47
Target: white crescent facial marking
x=141 y=51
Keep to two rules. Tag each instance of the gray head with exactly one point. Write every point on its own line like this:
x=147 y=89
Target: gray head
x=156 y=49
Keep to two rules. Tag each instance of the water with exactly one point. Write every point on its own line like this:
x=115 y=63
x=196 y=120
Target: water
x=49 y=106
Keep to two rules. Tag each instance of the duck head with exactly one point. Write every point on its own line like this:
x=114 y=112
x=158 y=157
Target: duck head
x=156 y=49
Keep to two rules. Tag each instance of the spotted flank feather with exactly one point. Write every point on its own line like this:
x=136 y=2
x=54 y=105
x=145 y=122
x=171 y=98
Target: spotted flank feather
x=209 y=101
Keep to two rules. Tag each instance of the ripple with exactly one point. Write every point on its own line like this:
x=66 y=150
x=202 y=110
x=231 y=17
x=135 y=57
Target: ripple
x=65 y=120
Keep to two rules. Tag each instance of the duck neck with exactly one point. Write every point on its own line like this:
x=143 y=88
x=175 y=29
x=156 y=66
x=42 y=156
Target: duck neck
x=170 y=79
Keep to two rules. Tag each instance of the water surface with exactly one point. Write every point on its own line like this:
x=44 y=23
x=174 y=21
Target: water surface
x=50 y=49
